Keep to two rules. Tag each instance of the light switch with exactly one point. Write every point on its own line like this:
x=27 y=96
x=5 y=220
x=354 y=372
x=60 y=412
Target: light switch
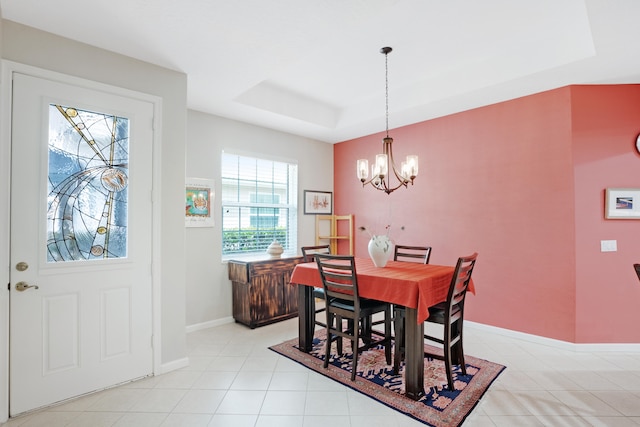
x=608 y=245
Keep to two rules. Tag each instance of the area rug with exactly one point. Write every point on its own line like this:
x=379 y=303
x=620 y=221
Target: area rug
x=439 y=407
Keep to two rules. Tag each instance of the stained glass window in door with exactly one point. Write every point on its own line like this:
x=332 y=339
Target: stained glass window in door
x=88 y=185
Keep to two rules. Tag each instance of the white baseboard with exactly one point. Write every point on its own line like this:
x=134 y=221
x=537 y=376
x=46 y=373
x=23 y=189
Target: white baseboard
x=172 y=366
x=563 y=345
x=209 y=324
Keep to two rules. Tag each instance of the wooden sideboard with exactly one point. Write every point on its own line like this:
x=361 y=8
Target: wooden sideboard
x=261 y=291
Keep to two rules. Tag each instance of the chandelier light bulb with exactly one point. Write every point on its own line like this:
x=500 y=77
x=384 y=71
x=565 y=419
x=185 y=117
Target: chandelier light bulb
x=382 y=165
x=363 y=169
x=412 y=164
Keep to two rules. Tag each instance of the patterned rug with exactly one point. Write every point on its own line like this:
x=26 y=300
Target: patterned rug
x=438 y=408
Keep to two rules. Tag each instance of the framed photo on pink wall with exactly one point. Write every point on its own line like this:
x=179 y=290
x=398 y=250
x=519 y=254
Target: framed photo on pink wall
x=622 y=203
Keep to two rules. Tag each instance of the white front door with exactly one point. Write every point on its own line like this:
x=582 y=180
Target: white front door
x=81 y=241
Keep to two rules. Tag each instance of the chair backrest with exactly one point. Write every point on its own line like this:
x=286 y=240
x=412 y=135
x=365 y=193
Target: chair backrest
x=339 y=279
x=460 y=281
x=309 y=252
x=637 y=268
x=412 y=253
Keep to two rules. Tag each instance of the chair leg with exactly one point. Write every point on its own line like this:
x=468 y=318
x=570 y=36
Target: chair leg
x=461 y=362
x=354 y=347
x=339 y=329
x=460 y=350
x=447 y=355
x=327 y=351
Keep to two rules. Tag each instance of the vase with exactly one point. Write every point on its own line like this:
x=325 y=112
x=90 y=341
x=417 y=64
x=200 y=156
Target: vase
x=275 y=250
x=379 y=250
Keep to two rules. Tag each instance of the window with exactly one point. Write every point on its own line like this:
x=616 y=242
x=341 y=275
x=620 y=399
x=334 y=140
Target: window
x=87 y=215
x=264 y=217
x=259 y=205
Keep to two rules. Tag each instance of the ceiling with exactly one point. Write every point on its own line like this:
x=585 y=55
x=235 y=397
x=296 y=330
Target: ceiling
x=314 y=67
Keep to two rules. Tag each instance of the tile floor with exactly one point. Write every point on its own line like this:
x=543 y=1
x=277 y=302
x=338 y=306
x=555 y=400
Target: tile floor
x=234 y=380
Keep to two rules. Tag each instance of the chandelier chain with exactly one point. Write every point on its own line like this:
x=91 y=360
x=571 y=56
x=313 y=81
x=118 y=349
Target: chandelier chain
x=386 y=90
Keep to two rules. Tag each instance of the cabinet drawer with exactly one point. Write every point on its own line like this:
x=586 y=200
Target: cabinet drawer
x=272 y=266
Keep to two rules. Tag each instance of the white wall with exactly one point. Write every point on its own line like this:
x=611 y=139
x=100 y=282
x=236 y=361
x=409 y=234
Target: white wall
x=206 y=296
x=208 y=287
x=4 y=259
x=32 y=47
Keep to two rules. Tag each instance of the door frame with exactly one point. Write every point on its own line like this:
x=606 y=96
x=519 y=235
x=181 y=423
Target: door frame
x=8 y=68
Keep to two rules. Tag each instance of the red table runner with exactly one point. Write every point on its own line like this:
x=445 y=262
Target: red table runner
x=410 y=284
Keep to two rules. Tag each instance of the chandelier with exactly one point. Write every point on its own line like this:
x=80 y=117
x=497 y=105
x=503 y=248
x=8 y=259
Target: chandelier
x=385 y=167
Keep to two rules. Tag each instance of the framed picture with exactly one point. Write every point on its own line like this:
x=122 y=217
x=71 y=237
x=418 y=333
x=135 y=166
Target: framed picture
x=318 y=202
x=622 y=203
x=198 y=208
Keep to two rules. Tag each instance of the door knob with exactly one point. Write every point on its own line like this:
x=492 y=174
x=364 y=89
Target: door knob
x=23 y=286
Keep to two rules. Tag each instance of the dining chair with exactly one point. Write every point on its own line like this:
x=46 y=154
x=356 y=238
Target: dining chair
x=309 y=255
x=405 y=253
x=343 y=302
x=412 y=253
x=450 y=313
x=637 y=268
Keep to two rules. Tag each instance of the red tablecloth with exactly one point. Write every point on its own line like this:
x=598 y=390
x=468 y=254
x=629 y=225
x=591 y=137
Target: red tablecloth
x=410 y=284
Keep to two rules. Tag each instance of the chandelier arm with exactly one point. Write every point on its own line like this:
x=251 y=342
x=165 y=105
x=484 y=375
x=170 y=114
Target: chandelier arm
x=389 y=190
x=399 y=177
x=370 y=181
x=388 y=150
x=383 y=185
x=394 y=168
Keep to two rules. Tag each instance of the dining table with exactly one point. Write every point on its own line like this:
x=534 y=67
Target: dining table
x=413 y=285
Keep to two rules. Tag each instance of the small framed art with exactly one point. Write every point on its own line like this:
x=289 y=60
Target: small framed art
x=622 y=203
x=318 y=202
x=198 y=202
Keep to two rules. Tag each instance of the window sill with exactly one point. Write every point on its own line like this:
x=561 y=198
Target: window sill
x=255 y=257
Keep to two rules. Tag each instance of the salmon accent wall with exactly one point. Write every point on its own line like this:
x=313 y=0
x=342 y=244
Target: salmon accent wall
x=606 y=122
x=522 y=183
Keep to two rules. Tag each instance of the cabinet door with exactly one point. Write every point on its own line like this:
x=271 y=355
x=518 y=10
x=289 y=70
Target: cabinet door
x=267 y=296
x=289 y=294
